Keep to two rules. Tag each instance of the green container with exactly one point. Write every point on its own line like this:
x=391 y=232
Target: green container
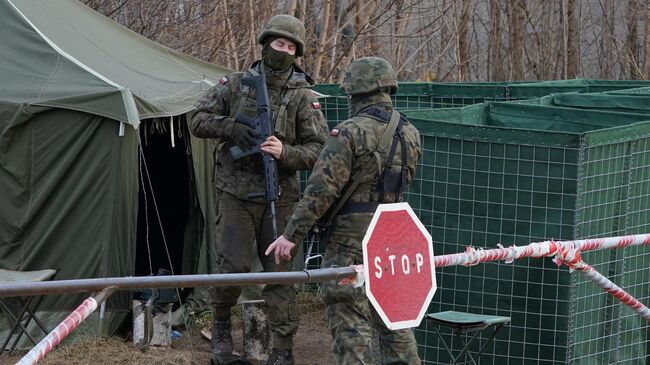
x=515 y=173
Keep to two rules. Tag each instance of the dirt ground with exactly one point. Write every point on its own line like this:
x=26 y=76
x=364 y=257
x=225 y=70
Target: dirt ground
x=312 y=345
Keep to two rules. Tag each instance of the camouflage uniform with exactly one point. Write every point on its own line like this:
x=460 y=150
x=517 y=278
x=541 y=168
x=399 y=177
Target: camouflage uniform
x=300 y=125
x=352 y=320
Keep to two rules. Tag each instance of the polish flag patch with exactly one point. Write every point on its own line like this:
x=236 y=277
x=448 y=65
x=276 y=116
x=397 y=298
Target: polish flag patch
x=334 y=132
x=223 y=80
x=315 y=105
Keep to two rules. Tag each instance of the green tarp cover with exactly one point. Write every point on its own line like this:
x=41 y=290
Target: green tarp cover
x=499 y=90
x=473 y=114
x=541 y=88
x=639 y=91
x=634 y=100
x=568 y=112
x=556 y=118
x=64 y=54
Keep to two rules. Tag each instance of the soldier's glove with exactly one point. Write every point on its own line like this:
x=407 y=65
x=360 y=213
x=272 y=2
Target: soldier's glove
x=243 y=136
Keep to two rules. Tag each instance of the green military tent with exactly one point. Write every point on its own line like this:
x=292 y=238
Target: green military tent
x=76 y=91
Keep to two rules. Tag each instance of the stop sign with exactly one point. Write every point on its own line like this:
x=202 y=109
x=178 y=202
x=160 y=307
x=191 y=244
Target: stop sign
x=398 y=266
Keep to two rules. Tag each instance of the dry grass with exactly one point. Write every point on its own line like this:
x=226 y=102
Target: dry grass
x=114 y=350
x=312 y=343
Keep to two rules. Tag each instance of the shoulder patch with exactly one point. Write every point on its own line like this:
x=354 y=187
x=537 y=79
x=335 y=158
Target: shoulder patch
x=334 y=132
x=315 y=105
x=223 y=80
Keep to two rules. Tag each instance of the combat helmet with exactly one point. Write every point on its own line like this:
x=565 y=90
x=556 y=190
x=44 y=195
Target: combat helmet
x=285 y=26
x=369 y=74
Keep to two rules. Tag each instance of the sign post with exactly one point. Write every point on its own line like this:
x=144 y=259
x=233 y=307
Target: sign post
x=398 y=266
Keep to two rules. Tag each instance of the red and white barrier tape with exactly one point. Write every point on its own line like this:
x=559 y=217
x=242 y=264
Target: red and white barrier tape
x=474 y=256
x=613 y=289
x=59 y=333
x=65 y=328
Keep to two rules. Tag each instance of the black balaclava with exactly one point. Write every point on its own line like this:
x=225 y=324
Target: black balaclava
x=276 y=60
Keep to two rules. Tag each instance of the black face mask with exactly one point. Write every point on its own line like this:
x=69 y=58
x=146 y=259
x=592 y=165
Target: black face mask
x=277 y=60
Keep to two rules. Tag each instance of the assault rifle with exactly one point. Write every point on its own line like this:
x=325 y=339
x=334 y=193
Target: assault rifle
x=263 y=126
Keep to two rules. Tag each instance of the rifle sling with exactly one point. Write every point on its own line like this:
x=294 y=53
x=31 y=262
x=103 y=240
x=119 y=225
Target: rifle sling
x=355 y=178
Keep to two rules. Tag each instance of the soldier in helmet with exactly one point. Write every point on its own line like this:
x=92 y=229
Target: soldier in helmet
x=368 y=159
x=300 y=131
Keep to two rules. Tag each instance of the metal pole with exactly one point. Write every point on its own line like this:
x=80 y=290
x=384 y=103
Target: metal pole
x=571 y=257
x=613 y=289
x=175 y=281
x=64 y=328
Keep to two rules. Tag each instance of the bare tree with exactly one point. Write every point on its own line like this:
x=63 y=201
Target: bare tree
x=293 y=7
x=463 y=41
x=320 y=46
x=646 y=47
x=442 y=46
x=516 y=15
x=607 y=38
x=570 y=40
x=632 y=40
x=495 y=54
x=447 y=40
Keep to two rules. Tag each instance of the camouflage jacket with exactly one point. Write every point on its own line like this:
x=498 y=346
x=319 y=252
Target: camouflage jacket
x=350 y=147
x=298 y=123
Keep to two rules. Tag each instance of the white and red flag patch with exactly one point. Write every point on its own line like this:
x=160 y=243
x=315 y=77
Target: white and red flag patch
x=315 y=105
x=334 y=132
x=223 y=80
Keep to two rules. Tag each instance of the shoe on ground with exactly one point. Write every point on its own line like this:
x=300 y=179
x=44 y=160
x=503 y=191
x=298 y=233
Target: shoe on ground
x=280 y=357
x=221 y=342
x=228 y=360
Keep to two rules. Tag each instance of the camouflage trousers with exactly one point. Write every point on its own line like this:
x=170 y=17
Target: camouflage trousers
x=239 y=224
x=353 y=322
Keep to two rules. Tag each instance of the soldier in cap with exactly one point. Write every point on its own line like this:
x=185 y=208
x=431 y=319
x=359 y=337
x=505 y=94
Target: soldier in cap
x=368 y=159
x=299 y=133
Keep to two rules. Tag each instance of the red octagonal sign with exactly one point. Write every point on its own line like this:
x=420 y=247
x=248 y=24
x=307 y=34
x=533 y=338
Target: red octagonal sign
x=398 y=266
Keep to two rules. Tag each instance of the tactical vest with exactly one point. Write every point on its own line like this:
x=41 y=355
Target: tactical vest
x=391 y=178
x=244 y=176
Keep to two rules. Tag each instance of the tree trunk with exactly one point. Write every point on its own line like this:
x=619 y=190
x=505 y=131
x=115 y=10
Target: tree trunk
x=444 y=38
x=357 y=27
x=293 y=7
x=463 y=41
x=547 y=45
x=252 y=43
x=570 y=39
x=231 y=48
x=632 y=41
x=607 y=40
x=398 y=31
x=320 y=46
x=646 y=47
x=338 y=13
x=495 y=54
x=517 y=17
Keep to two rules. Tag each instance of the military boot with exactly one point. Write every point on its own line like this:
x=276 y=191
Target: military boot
x=280 y=357
x=221 y=342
